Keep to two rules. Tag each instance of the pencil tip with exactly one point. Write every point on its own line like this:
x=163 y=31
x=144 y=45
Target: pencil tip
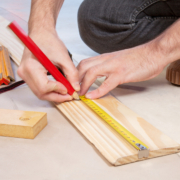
x=75 y=96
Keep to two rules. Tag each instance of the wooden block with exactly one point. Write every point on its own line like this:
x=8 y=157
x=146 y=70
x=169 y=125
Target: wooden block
x=109 y=143
x=173 y=73
x=21 y=124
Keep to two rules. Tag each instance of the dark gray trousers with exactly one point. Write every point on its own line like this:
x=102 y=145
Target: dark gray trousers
x=111 y=25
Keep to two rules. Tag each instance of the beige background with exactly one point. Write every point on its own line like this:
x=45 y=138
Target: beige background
x=60 y=151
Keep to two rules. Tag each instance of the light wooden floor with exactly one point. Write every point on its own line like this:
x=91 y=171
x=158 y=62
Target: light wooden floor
x=60 y=151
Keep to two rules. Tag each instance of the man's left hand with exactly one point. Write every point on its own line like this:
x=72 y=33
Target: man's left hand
x=131 y=65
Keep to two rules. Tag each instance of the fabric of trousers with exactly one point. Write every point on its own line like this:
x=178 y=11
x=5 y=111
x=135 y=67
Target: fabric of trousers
x=112 y=25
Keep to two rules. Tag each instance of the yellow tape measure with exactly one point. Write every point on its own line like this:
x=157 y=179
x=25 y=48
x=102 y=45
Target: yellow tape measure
x=134 y=141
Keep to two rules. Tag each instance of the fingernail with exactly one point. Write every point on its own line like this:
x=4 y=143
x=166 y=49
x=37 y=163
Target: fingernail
x=76 y=86
x=88 y=95
x=70 y=98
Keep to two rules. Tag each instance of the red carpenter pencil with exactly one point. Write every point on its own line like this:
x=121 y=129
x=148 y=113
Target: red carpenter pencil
x=29 y=43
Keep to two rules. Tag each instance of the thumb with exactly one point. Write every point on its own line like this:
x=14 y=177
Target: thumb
x=110 y=83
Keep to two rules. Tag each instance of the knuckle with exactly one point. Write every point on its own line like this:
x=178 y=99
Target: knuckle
x=105 y=85
x=55 y=87
x=40 y=96
x=82 y=64
x=93 y=70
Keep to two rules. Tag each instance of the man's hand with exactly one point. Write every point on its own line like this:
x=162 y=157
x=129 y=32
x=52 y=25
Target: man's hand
x=41 y=28
x=131 y=65
x=35 y=75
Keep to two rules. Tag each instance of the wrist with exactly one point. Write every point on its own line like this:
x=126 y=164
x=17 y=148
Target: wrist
x=39 y=22
x=153 y=57
x=169 y=49
x=160 y=53
x=41 y=28
x=41 y=33
x=167 y=45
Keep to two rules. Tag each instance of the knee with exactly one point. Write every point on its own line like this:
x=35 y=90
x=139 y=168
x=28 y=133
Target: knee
x=97 y=29
x=86 y=23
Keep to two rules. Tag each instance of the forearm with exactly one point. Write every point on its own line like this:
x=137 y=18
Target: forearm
x=44 y=14
x=167 y=45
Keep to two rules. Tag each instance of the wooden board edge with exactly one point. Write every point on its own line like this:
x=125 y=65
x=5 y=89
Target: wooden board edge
x=7 y=131
x=152 y=154
x=40 y=125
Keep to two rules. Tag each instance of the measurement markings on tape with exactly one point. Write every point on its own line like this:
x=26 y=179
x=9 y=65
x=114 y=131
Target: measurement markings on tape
x=143 y=150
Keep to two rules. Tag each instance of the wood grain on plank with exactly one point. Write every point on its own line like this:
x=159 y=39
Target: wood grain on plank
x=109 y=143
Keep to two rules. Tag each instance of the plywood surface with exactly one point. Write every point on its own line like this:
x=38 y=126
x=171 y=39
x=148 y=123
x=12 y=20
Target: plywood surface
x=110 y=144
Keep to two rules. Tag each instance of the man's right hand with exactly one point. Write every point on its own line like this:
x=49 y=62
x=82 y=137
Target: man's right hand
x=35 y=75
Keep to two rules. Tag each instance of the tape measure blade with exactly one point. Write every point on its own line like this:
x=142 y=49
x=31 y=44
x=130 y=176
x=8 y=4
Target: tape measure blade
x=133 y=140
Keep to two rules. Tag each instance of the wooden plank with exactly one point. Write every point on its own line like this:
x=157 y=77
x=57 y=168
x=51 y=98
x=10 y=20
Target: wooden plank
x=21 y=124
x=10 y=41
x=110 y=144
